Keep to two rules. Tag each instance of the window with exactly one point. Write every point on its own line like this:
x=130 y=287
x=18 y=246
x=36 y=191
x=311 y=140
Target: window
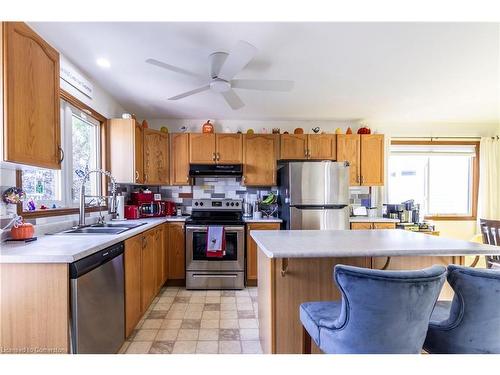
x=441 y=177
x=81 y=143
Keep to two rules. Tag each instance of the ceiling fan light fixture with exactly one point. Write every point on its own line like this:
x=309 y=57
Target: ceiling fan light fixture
x=219 y=85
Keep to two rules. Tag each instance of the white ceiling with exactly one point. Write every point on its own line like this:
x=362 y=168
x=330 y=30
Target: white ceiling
x=392 y=72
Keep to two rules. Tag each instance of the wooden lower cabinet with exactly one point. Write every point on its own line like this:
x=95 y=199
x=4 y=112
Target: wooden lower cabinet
x=145 y=264
x=361 y=226
x=133 y=272
x=148 y=284
x=176 y=253
x=251 y=246
x=384 y=225
x=373 y=225
x=34 y=308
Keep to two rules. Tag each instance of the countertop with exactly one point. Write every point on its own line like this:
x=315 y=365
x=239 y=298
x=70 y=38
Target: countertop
x=263 y=220
x=71 y=247
x=366 y=219
x=362 y=243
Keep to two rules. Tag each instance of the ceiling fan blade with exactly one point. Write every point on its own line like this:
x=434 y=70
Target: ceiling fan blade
x=262 y=84
x=173 y=68
x=232 y=99
x=192 y=92
x=238 y=58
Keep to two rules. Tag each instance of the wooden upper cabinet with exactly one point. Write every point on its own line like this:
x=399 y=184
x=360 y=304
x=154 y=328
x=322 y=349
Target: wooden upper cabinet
x=132 y=265
x=308 y=146
x=229 y=148
x=260 y=152
x=322 y=146
x=30 y=98
x=348 y=149
x=126 y=151
x=293 y=146
x=201 y=148
x=179 y=159
x=215 y=148
x=372 y=160
x=156 y=158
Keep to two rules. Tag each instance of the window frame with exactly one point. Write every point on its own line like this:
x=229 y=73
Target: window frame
x=103 y=154
x=475 y=176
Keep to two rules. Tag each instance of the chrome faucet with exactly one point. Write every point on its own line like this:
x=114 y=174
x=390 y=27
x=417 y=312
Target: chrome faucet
x=112 y=205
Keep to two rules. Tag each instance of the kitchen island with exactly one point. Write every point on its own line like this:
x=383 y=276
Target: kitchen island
x=297 y=266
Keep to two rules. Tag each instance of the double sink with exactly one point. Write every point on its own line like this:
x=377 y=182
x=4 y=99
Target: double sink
x=103 y=228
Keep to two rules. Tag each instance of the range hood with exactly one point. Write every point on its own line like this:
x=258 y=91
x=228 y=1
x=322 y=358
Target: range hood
x=215 y=170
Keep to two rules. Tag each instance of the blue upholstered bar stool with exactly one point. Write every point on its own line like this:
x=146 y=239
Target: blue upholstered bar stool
x=380 y=311
x=471 y=322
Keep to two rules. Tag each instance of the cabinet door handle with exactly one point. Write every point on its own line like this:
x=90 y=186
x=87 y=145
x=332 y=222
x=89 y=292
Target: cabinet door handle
x=137 y=175
x=145 y=177
x=244 y=178
x=362 y=179
x=213 y=156
x=218 y=156
x=61 y=152
x=187 y=178
x=357 y=178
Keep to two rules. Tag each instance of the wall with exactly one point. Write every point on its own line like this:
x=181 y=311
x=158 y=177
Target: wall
x=194 y=125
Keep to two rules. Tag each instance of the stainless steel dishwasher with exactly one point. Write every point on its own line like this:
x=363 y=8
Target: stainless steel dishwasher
x=97 y=323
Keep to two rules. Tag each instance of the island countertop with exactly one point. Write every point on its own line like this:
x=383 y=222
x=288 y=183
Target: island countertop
x=362 y=243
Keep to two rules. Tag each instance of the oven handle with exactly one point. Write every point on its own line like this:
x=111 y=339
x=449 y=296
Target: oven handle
x=204 y=228
x=214 y=275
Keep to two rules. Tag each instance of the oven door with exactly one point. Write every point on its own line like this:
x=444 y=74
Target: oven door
x=196 y=249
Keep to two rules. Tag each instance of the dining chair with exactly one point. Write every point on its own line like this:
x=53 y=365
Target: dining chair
x=380 y=311
x=470 y=323
x=490 y=230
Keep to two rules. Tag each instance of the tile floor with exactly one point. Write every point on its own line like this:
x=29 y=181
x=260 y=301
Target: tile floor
x=181 y=321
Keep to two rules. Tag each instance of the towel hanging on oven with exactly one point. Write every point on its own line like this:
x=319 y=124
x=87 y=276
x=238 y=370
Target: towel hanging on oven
x=216 y=242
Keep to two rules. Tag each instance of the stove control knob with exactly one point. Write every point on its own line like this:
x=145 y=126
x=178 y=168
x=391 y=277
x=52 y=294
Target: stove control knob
x=201 y=203
x=232 y=203
x=196 y=203
x=227 y=203
x=237 y=204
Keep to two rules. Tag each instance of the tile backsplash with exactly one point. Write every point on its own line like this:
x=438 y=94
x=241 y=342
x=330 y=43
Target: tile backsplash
x=205 y=188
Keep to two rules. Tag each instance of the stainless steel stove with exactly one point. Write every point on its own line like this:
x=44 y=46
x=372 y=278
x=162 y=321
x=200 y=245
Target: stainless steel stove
x=227 y=271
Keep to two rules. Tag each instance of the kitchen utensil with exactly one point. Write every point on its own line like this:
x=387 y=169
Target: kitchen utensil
x=247 y=209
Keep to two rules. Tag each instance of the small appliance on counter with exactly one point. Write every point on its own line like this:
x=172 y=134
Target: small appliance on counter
x=145 y=205
x=171 y=209
x=406 y=212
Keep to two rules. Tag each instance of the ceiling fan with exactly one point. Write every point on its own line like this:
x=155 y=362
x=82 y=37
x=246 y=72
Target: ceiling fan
x=222 y=69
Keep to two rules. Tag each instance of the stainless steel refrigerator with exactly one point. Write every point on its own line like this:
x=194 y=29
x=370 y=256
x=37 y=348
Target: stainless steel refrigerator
x=314 y=194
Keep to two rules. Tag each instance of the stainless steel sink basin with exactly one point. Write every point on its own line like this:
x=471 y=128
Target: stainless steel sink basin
x=117 y=225
x=105 y=228
x=95 y=230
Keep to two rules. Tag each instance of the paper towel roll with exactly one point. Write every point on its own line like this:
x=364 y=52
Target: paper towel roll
x=120 y=207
